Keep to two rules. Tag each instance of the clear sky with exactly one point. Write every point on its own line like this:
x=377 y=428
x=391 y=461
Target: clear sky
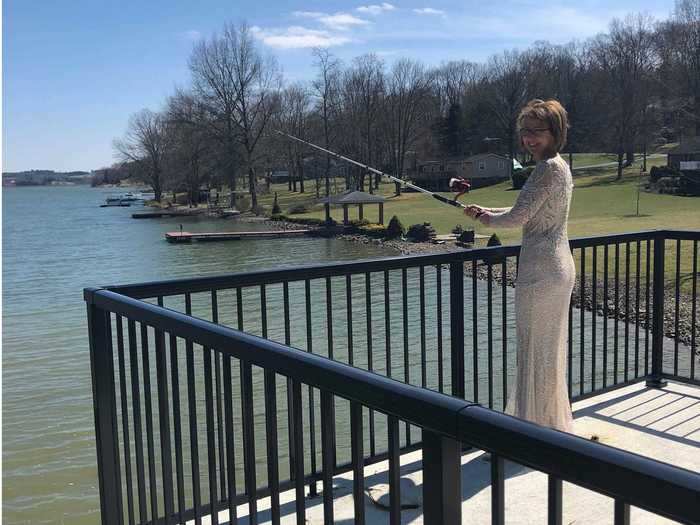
x=75 y=70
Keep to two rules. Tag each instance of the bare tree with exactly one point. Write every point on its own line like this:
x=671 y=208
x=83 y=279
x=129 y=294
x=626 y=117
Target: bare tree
x=326 y=90
x=146 y=143
x=188 y=121
x=406 y=104
x=626 y=57
x=241 y=86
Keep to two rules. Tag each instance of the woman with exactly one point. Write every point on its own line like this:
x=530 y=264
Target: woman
x=546 y=269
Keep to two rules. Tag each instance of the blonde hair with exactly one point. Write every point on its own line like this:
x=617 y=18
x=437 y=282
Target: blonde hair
x=552 y=113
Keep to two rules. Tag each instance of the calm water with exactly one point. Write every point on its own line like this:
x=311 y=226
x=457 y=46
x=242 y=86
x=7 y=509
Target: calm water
x=56 y=241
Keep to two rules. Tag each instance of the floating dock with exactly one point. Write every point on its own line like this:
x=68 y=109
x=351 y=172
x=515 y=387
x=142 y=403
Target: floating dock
x=158 y=214
x=175 y=237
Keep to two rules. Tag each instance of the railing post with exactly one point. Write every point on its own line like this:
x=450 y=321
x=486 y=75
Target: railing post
x=105 y=408
x=457 y=328
x=442 y=481
x=655 y=380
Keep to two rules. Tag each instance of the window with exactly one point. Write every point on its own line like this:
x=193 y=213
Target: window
x=500 y=164
x=482 y=165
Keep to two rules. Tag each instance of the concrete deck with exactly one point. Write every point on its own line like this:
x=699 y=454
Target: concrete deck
x=661 y=424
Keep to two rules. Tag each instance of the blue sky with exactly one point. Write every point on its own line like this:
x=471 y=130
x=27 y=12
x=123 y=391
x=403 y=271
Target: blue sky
x=74 y=71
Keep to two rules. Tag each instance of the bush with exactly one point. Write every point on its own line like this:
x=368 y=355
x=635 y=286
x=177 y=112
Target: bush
x=520 y=177
x=298 y=208
x=276 y=207
x=494 y=241
x=421 y=232
x=458 y=229
x=395 y=229
x=658 y=172
x=466 y=236
x=377 y=231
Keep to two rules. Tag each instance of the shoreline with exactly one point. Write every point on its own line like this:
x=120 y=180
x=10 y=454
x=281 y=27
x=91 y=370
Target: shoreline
x=685 y=303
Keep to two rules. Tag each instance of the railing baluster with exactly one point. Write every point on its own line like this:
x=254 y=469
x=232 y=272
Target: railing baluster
x=288 y=342
x=605 y=316
x=164 y=420
x=504 y=331
x=329 y=317
x=125 y=419
x=368 y=308
x=404 y=305
x=655 y=379
x=438 y=277
x=498 y=512
x=348 y=299
x=594 y=309
x=582 y=328
x=328 y=453
x=647 y=319
x=394 y=471
x=622 y=512
x=442 y=482
x=676 y=314
x=312 y=401
x=617 y=310
x=475 y=332
x=357 y=452
x=105 y=412
x=211 y=446
x=554 y=500
x=149 y=422
x=693 y=310
x=423 y=356
x=194 y=446
x=489 y=329
x=272 y=444
x=637 y=284
x=179 y=468
x=387 y=325
x=457 y=328
x=219 y=411
x=298 y=453
x=249 y=464
x=138 y=429
x=230 y=448
x=627 y=310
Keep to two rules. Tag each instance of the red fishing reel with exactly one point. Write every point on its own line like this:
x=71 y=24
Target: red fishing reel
x=460 y=186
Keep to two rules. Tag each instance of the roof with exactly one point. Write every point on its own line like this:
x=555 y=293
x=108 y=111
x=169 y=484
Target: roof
x=481 y=155
x=689 y=145
x=354 y=197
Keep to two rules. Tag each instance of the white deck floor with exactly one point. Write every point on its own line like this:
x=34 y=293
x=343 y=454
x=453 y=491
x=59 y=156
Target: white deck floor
x=661 y=424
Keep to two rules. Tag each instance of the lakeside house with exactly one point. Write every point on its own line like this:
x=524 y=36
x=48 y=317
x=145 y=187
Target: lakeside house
x=483 y=169
x=685 y=156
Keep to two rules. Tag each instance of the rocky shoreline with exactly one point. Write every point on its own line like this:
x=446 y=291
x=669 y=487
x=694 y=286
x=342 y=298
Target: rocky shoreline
x=685 y=303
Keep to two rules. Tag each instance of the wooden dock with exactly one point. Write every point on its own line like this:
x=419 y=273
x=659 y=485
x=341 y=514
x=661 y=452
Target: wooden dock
x=176 y=237
x=159 y=214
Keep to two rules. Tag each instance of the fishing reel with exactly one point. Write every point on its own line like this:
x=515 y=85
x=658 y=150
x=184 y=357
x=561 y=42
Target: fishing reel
x=460 y=186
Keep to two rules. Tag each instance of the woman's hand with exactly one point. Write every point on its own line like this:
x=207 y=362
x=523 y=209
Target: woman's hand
x=474 y=210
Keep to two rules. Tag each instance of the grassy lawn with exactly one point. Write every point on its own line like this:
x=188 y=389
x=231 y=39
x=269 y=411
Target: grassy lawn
x=600 y=205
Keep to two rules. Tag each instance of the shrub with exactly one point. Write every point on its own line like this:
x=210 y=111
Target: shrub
x=458 y=229
x=395 y=229
x=657 y=172
x=421 y=232
x=276 y=207
x=298 y=208
x=377 y=231
x=494 y=241
x=466 y=236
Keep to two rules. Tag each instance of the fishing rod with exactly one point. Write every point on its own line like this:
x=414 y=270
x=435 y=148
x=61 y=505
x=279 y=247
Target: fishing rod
x=462 y=185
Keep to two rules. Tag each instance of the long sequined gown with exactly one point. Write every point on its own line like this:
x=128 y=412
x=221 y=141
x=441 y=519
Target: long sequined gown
x=543 y=287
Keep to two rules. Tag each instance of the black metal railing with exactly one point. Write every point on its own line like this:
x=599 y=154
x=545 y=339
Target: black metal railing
x=417 y=319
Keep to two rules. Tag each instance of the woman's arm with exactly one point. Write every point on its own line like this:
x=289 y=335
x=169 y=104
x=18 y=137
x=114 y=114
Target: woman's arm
x=530 y=200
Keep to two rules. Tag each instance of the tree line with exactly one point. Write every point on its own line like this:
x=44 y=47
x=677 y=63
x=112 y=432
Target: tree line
x=636 y=85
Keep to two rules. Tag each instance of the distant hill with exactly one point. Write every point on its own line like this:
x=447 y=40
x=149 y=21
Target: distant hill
x=44 y=177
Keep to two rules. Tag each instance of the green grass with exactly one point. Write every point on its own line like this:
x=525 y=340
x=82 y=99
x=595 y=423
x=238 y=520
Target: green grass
x=600 y=205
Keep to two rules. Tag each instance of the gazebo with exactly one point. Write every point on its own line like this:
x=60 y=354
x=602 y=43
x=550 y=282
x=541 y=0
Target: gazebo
x=359 y=198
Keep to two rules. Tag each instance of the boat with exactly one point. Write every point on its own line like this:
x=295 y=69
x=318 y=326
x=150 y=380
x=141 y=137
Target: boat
x=126 y=199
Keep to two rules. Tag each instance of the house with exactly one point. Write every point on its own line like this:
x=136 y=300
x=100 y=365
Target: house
x=482 y=170
x=685 y=156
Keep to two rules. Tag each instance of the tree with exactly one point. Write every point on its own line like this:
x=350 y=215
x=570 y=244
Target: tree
x=146 y=143
x=326 y=91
